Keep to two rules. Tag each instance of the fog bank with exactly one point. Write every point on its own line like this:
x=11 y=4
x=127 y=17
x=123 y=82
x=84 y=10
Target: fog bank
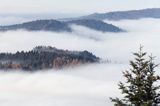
x=90 y=85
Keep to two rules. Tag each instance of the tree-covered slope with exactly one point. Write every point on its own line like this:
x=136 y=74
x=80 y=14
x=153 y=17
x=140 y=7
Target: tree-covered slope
x=42 y=57
x=61 y=26
x=121 y=15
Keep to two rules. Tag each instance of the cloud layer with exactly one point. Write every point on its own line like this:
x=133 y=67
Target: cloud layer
x=90 y=85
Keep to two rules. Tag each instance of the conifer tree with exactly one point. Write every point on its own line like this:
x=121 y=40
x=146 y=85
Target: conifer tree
x=140 y=88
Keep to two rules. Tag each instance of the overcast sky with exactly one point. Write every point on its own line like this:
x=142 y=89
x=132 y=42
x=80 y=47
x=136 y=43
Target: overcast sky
x=73 y=6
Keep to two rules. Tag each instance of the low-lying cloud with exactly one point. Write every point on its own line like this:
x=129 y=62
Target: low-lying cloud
x=90 y=85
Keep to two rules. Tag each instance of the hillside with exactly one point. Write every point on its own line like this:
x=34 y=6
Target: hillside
x=61 y=26
x=96 y=25
x=121 y=15
x=42 y=57
x=39 y=25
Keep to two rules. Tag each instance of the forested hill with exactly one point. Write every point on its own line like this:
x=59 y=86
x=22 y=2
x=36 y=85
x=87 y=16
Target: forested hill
x=62 y=26
x=121 y=15
x=43 y=57
x=96 y=25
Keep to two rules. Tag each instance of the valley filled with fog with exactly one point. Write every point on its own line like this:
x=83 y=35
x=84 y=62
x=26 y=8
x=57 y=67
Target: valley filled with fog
x=89 y=85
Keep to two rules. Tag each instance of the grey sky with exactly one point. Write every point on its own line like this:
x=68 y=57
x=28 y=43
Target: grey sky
x=73 y=6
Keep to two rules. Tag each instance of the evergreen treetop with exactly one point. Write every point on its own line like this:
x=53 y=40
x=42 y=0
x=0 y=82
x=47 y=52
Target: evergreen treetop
x=140 y=88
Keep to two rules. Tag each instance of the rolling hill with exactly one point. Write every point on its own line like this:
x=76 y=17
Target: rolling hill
x=62 y=26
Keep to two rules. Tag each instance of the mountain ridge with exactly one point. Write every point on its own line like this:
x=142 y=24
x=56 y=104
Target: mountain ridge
x=45 y=57
x=122 y=15
x=62 y=26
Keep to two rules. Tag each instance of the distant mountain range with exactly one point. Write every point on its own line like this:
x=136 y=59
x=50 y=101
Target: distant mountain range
x=122 y=15
x=93 y=21
x=62 y=26
x=43 y=57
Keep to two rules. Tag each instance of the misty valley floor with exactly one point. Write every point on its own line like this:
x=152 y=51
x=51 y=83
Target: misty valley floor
x=81 y=86
x=90 y=85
